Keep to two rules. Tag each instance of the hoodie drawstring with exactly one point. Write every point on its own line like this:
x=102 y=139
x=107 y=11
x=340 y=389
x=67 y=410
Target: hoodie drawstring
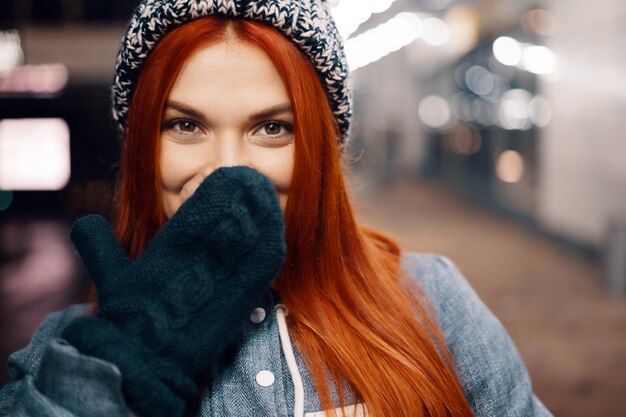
x=285 y=341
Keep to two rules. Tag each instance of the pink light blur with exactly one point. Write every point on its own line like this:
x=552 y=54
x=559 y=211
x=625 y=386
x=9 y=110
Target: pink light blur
x=34 y=154
x=44 y=80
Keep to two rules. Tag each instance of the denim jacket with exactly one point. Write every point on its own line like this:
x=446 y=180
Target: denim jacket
x=263 y=375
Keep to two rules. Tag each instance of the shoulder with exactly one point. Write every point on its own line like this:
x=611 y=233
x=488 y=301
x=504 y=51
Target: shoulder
x=51 y=377
x=434 y=273
x=456 y=305
x=468 y=325
x=27 y=360
x=461 y=314
x=491 y=371
x=451 y=296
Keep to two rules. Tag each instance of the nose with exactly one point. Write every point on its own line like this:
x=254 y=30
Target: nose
x=228 y=150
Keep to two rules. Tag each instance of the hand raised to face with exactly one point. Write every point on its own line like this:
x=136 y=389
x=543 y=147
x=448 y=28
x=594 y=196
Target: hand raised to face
x=175 y=308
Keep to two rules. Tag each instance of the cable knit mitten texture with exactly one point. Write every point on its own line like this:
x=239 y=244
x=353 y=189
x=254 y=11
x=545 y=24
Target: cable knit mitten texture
x=167 y=315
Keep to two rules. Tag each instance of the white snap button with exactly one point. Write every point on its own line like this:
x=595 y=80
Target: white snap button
x=265 y=378
x=257 y=315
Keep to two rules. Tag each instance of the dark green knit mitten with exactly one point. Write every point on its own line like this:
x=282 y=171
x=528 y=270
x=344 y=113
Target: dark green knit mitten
x=167 y=315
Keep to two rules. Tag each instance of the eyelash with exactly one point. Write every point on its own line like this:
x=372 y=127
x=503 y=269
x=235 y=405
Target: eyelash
x=174 y=122
x=286 y=126
x=171 y=124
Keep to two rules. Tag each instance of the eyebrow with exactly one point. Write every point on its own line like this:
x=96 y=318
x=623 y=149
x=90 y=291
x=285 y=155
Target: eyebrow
x=263 y=114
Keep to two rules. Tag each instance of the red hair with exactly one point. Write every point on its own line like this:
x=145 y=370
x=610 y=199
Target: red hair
x=352 y=312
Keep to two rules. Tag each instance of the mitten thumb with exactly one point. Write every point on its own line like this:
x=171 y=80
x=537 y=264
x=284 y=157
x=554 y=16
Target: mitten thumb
x=99 y=249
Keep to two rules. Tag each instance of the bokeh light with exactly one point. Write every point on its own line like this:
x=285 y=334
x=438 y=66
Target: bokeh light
x=510 y=166
x=34 y=154
x=459 y=74
x=540 y=111
x=507 y=50
x=466 y=139
x=11 y=53
x=349 y=14
x=380 y=41
x=479 y=80
x=46 y=80
x=465 y=107
x=514 y=113
x=436 y=31
x=434 y=111
x=6 y=198
x=464 y=23
x=538 y=59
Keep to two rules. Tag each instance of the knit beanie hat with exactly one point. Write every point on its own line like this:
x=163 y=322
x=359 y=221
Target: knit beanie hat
x=307 y=23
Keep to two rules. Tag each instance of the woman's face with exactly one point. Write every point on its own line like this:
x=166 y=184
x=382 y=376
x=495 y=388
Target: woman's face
x=227 y=107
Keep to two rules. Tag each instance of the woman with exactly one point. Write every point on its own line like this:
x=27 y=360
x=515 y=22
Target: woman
x=234 y=114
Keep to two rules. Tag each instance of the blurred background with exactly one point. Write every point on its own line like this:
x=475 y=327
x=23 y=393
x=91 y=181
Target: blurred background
x=490 y=131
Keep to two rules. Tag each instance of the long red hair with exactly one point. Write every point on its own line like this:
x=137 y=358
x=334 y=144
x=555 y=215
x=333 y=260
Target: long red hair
x=352 y=312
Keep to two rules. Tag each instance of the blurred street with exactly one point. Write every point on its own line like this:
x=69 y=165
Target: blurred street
x=569 y=331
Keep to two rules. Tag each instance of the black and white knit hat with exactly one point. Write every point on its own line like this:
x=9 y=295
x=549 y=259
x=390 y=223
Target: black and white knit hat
x=307 y=23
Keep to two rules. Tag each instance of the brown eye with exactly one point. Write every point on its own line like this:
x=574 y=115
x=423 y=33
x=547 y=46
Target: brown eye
x=273 y=128
x=186 y=126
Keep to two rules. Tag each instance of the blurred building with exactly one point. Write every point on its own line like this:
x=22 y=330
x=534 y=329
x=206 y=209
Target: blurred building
x=517 y=103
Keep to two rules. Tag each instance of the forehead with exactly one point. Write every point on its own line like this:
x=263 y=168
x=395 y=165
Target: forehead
x=227 y=73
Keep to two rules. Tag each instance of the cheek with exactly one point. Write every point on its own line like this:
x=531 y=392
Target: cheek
x=177 y=166
x=277 y=165
x=173 y=168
